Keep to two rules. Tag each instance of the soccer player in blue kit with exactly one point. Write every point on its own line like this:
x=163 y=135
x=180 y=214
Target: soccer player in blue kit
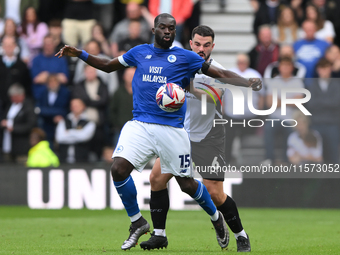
x=153 y=131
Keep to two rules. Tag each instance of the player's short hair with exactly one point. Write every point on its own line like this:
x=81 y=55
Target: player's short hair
x=204 y=31
x=162 y=15
x=324 y=62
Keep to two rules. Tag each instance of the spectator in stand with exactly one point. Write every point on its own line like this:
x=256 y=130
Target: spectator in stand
x=272 y=69
x=133 y=40
x=245 y=71
x=44 y=64
x=11 y=30
x=121 y=32
x=74 y=133
x=12 y=70
x=327 y=8
x=304 y=144
x=266 y=15
x=308 y=51
x=51 y=10
x=55 y=30
x=274 y=129
x=330 y=10
x=78 y=22
x=110 y=79
x=18 y=121
x=180 y=9
x=15 y=9
x=40 y=154
x=287 y=29
x=299 y=9
x=98 y=35
x=325 y=29
x=333 y=56
x=265 y=52
x=324 y=106
x=33 y=31
x=52 y=105
x=103 y=14
x=93 y=92
x=121 y=105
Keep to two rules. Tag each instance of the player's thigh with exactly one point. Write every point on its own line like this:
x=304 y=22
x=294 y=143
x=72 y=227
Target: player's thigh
x=135 y=145
x=158 y=180
x=173 y=147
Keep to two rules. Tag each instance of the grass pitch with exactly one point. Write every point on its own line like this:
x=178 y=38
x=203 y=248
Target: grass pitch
x=271 y=231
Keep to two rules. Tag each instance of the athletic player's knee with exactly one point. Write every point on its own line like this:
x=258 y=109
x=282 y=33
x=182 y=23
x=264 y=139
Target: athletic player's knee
x=153 y=179
x=188 y=187
x=217 y=197
x=118 y=173
x=157 y=181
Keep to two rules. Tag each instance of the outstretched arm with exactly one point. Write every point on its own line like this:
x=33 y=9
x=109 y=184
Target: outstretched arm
x=104 y=64
x=226 y=76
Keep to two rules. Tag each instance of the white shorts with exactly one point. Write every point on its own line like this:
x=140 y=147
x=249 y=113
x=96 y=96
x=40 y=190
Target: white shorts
x=140 y=141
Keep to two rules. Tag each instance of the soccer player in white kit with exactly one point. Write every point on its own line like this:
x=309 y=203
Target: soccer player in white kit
x=153 y=131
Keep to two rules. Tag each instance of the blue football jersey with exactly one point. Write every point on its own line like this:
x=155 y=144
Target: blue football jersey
x=156 y=67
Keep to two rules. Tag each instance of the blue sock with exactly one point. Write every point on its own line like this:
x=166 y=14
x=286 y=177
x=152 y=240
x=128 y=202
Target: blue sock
x=203 y=198
x=128 y=194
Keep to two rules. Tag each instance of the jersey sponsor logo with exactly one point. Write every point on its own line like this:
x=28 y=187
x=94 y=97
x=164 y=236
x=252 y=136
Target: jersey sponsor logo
x=119 y=149
x=148 y=57
x=172 y=58
x=183 y=171
x=155 y=78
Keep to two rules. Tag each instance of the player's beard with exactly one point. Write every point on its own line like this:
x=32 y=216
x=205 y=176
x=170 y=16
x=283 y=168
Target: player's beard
x=164 y=44
x=205 y=57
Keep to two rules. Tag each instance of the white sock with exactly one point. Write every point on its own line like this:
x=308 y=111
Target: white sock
x=135 y=217
x=242 y=233
x=215 y=216
x=159 y=232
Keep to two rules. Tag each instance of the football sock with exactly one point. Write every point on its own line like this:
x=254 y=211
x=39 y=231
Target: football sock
x=203 y=198
x=242 y=233
x=159 y=207
x=128 y=194
x=159 y=232
x=231 y=216
x=135 y=217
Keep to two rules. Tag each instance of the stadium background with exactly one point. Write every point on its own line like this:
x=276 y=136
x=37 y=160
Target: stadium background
x=233 y=24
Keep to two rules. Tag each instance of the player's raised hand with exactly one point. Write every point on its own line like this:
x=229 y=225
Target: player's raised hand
x=255 y=84
x=68 y=51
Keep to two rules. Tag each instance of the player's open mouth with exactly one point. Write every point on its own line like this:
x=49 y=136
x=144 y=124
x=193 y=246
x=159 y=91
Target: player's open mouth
x=166 y=38
x=201 y=54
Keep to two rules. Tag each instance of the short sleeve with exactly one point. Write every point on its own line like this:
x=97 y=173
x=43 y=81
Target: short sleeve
x=129 y=58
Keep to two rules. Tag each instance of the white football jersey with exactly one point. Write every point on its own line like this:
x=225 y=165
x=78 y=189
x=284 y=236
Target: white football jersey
x=196 y=124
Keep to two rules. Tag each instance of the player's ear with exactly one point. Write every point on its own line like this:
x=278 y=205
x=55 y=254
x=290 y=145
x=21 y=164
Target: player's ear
x=190 y=42
x=153 y=30
x=213 y=46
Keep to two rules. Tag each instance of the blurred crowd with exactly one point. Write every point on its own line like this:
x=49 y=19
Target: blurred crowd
x=298 y=47
x=67 y=111
x=63 y=109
